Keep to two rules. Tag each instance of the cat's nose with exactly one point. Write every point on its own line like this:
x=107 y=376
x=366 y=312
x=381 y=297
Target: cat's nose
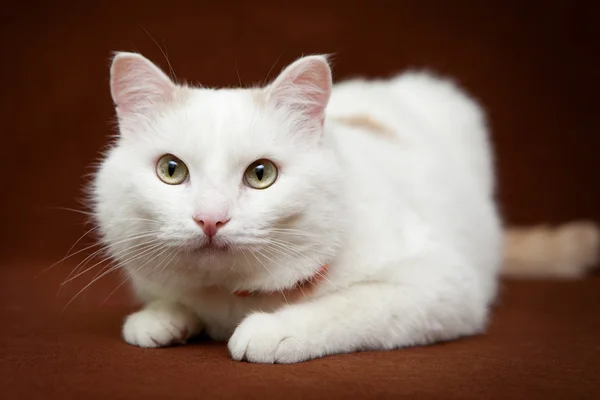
x=210 y=224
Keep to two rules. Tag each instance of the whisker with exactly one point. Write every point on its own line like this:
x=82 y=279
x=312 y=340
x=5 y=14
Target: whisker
x=126 y=250
x=237 y=71
x=171 y=70
x=280 y=291
x=67 y=253
x=271 y=69
x=263 y=264
x=282 y=247
x=118 y=266
x=284 y=297
x=301 y=290
x=245 y=256
x=103 y=243
x=127 y=276
x=89 y=213
x=287 y=247
x=173 y=254
x=104 y=247
x=295 y=232
x=72 y=210
x=134 y=255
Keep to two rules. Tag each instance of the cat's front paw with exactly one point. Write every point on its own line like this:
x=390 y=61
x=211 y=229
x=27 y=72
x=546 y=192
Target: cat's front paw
x=160 y=324
x=267 y=338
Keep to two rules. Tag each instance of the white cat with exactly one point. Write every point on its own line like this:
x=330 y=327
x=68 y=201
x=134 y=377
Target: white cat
x=297 y=220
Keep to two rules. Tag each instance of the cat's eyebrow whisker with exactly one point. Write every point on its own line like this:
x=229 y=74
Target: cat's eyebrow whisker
x=271 y=69
x=171 y=70
x=237 y=71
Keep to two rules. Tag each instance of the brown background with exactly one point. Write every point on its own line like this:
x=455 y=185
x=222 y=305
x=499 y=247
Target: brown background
x=533 y=64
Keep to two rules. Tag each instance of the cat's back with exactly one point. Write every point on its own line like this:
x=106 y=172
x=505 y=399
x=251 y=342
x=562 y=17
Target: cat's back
x=417 y=115
x=417 y=159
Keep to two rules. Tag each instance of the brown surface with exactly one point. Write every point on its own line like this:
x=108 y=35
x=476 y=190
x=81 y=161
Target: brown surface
x=533 y=64
x=543 y=343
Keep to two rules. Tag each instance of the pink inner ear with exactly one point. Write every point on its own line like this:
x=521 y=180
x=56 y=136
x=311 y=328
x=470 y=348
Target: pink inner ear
x=304 y=86
x=137 y=84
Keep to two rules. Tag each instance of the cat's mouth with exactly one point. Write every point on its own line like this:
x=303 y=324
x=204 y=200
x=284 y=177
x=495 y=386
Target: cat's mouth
x=210 y=246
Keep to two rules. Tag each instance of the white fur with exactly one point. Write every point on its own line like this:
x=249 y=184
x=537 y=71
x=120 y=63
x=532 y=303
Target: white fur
x=407 y=225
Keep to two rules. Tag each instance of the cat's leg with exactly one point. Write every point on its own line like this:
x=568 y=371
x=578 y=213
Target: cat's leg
x=369 y=316
x=160 y=324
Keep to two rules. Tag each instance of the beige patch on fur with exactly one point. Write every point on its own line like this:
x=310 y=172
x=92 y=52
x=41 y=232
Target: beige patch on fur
x=367 y=123
x=181 y=94
x=259 y=96
x=568 y=250
x=361 y=121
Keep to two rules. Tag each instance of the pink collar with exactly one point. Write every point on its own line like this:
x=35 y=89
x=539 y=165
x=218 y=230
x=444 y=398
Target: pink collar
x=302 y=288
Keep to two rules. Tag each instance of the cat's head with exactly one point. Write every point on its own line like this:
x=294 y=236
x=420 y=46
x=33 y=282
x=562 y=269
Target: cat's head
x=234 y=187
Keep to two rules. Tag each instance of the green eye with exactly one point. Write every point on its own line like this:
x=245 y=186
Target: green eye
x=260 y=174
x=171 y=170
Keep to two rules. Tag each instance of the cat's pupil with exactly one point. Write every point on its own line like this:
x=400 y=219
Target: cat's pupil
x=259 y=170
x=171 y=168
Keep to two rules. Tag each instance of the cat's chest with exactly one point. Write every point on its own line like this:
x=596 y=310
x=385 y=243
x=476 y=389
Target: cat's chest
x=221 y=311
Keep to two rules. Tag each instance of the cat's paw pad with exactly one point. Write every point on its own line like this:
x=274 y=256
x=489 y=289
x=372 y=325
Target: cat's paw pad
x=160 y=325
x=266 y=338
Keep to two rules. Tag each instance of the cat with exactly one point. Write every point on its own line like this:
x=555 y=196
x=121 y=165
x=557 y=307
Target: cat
x=305 y=219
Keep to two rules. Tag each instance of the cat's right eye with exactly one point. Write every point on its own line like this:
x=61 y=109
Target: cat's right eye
x=171 y=170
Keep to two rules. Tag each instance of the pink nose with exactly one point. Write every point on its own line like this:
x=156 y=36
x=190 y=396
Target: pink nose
x=210 y=224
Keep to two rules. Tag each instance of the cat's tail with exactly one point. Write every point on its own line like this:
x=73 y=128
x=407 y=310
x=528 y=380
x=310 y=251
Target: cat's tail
x=564 y=251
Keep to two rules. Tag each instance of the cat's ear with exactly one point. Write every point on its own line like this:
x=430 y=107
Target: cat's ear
x=137 y=85
x=303 y=87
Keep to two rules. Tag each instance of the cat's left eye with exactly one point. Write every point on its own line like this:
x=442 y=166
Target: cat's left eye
x=171 y=170
x=260 y=174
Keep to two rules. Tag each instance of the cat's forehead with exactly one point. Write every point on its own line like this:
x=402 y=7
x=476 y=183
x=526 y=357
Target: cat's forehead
x=215 y=122
x=224 y=116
